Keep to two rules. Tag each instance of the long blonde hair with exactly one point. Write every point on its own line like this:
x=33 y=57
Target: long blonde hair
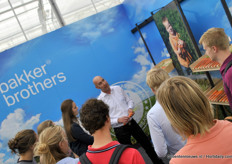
x=186 y=106
x=48 y=146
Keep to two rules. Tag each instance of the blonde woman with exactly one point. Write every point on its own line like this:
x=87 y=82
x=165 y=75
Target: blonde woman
x=53 y=147
x=191 y=115
x=23 y=144
x=43 y=125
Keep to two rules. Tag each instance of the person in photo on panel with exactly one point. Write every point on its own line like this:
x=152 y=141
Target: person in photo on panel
x=121 y=112
x=95 y=118
x=77 y=137
x=216 y=45
x=164 y=138
x=191 y=115
x=178 y=45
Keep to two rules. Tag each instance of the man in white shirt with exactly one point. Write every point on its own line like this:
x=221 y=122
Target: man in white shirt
x=120 y=106
x=165 y=140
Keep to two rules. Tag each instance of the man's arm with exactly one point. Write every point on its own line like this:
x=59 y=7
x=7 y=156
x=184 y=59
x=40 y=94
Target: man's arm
x=157 y=137
x=228 y=82
x=129 y=101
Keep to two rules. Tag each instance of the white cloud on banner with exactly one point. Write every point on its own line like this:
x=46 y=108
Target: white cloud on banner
x=10 y=160
x=0 y=145
x=60 y=122
x=224 y=20
x=140 y=41
x=142 y=60
x=139 y=7
x=91 y=30
x=165 y=53
x=15 y=122
x=140 y=76
x=2 y=155
x=140 y=50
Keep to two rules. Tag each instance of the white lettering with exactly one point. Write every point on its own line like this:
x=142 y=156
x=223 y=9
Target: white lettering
x=2 y=87
x=60 y=77
x=7 y=100
x=28 y=75
x=27 y=94
x=37 y=73
x=47 y=82
x=13 y=84
x=20 y=79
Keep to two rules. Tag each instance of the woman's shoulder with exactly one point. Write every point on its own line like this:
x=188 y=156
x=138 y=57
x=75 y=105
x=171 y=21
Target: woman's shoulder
x=68 y=160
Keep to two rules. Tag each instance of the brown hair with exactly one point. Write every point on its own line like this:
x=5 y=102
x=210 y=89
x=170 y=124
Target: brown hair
x=94 y=114
x=155 y=77
x=22 y=141
x=44 y=125
x=68 y=117
x=48 y=146
x=215 y=37
x=186 y=106
x=164 y=19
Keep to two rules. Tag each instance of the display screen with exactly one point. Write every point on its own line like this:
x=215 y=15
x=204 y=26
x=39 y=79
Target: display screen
x=176 y=36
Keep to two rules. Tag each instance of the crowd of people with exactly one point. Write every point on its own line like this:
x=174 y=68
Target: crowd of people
x=181 y=123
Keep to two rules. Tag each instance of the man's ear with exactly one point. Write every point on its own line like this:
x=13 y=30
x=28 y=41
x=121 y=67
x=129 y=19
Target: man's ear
x=108 y=118
x=96 y=86
x=215 y=49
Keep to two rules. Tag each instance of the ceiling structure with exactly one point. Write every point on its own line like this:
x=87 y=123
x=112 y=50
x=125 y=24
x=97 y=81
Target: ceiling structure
x=23 y=20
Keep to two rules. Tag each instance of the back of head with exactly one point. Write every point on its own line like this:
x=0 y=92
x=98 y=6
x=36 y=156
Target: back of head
x=44 y=125
x=94 y=114
x=155 y=77
x=186 y=106
x=23 y=141
x=215 y=37
x=48 y=145
x=68 y=117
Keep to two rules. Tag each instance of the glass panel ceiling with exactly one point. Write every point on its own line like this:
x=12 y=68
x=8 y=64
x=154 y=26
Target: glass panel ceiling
x=23 y=20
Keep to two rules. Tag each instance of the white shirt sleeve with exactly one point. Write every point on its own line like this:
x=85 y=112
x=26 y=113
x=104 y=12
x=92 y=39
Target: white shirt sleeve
x=129 y=101
x=157 y=137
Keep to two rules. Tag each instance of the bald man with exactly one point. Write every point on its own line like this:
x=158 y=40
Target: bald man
x=120 y=105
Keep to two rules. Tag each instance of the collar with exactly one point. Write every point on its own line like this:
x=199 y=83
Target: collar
x=24 y=161
x=107 y=147
x=104 y=94
x=229 y=58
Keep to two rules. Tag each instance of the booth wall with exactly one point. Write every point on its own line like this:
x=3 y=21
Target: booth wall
x=201 y=15
x=37 y=76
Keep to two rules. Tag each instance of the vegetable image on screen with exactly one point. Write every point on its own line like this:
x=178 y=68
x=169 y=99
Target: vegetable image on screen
x=176 y=37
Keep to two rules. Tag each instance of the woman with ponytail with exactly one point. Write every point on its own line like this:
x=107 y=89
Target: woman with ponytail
x=77 y=137
x=53 y=147
x=23 y=144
